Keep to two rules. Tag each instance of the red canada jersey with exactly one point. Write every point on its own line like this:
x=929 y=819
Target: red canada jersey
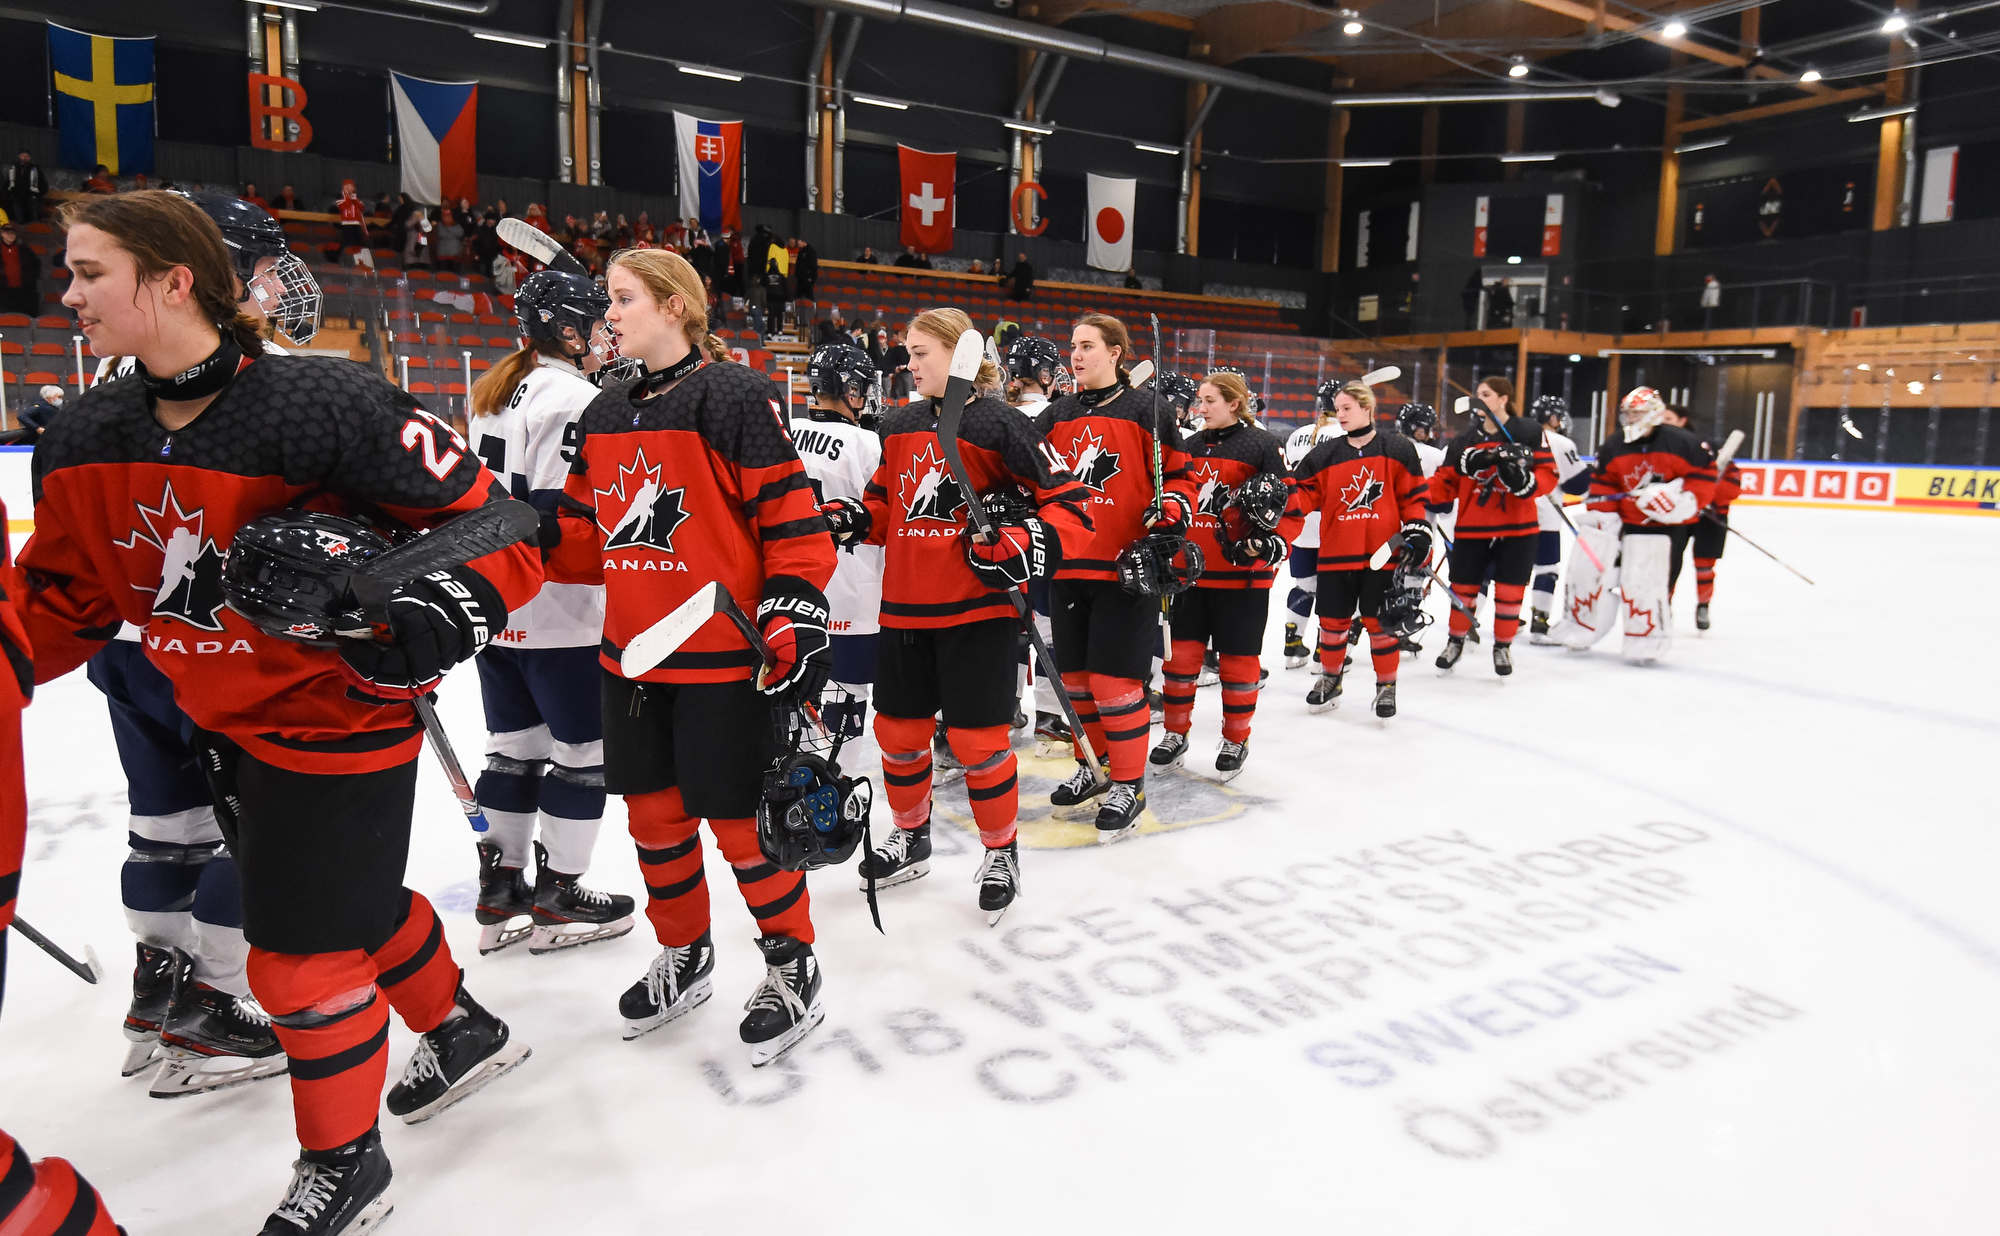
x=1485 y=507
x=1364 y=495
x=352 y=210
x=670 y=491
x=1667 y=453
x=17 y=684
x=1109 y=447
x=917 y=511
x=1218 y=461
x=1728 y=487
x=132 y=524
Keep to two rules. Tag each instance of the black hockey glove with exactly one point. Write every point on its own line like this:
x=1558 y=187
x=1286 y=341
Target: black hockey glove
x=1516 y=469
x=1416 y=543
x=1477 y=459
x=847 y=519
x=434 y=623
x=1170 y=514
x=792 y=618
x=1024 y=549
x=1259 y=549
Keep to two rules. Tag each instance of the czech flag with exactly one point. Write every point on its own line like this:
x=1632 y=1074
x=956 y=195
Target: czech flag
x=437 y=133
x=711 y=171
x=104 y=100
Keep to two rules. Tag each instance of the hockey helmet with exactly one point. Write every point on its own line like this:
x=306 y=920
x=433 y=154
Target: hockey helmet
x=1032 y=358
x=1417 y=421
x=612 y=364
x=1641 y=412
x=1402 y=613
x=1323 y=398
x=811 y=815
x=285 y=292
x=1179 y=392
x=1550 y=412
x=1159 y=564
x=551 y=303
x=844 y=372
x=289 y=573
x=1255 y=507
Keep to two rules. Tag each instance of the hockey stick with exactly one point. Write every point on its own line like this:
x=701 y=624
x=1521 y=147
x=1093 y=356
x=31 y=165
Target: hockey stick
x=538 y=245
x=461 y=789
x=89 y=970
x=1726 y=527
x=1378 y=377
x=646 y=650
x=1142 y=372
x=951 y=410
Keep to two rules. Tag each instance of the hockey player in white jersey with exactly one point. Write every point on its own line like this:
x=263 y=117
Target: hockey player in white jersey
x=1305 y=550
x=539 y=679
x=1572 y=477
x=840 y=448
x=1036 y=374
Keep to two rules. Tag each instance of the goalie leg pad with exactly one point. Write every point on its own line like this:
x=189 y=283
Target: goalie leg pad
x=1590 y=596
x=1645 y=571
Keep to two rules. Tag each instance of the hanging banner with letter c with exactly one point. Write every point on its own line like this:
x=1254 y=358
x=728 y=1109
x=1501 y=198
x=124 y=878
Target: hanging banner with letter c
x=1021 y=209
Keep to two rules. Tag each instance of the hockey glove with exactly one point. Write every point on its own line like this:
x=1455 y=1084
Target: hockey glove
x=1665 y=502
x=1516 y=469
x=434 y=623
x=1416 y=543
x=1477 y=459
x=792 y=618
x=1257 y=549
x=847 y=519
x=1023 y=550
x=1170 y=514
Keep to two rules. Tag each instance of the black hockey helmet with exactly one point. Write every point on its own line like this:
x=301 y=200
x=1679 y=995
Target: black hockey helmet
x=1035 y=359
x=1402 y=613
x=288 y=572
x=1417 y=418
x=1178 y=391
x=844 y=372
x=287 y=293
x=811 y=815
x=1323 y=397
x=1255 y=507
x=1550 y=412
x=1159 y=564
x=549 y=302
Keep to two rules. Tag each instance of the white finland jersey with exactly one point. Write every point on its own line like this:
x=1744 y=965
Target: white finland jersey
x=840 y=457
x=1428 y=455
x=1031 y=407
x=1568 y=464
x=529 y=445
x=1297 y=447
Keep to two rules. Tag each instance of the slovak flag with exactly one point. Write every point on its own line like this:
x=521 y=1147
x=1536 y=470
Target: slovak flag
x=711 y=171
x=1107 y=222
x=930 y=198
x=436 y=137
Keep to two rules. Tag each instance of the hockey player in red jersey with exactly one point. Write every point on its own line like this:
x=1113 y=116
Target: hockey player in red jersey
x=1496 y=473
x=142 y=486
x=1711 y=531
x=1367 y=488
x=1104 y=626
x=948 y=629
x=1654 y=478
x=681 y=477
x=1242 y=543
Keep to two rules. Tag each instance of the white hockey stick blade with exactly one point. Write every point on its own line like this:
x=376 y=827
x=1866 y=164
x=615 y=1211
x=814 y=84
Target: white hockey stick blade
x=537 y=244
x=1462 y=405
x=1728 y=452
x=1142 y=373
x=658 y=642
x=1380 y=558
x=1376 y=377
x=1847 y=423
x=966 y=355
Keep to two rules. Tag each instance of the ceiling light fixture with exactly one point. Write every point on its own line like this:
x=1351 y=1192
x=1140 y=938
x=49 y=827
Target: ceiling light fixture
x=1513 y=259
x=1366 y=162
x=303 y=6
x=872 y=101
x=1809 y=76
x=1707 y=144
x=1527 y=158
x=1915 y=387
x=1517 y=69
x=1576 y=358
x=1149 y=148
x=1674 y=30
x=1867 y=114
x=721 y=75
x=518 y=40
x=1039 y=130
x=1896 y=24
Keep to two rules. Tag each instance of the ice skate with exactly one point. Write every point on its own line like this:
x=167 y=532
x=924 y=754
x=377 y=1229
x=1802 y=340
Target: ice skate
x=1503 y=659
x=154 y=976
x=567 y=914
x=1171 y=751
x=454 y=1061
x=1454 y=648
x=786 y=1005
x=1230 y=758
x=902 y=856
x=1385 y=700
x=1325 y=693
x=213 y=1041
x=505 y=901
x=1118 y=818
x=1538 y=628
x=679 y=981
x=1053 y=738
x=1296 y=655
x=1073 y=799
x=1156 y=707
x=1701 y=616
x=999 y=880
x=338 y=1192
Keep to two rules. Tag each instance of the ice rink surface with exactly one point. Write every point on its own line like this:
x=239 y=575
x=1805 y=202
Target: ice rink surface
x=1707 y=946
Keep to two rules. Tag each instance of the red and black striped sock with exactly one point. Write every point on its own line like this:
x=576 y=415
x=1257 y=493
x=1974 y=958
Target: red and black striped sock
x=1507 y=611
x=1178 y=678
x=1384 y=650
x=47 y=1197
x=1122 y=704
x=670 y=857
x=1240 y=684
x=334 y=1026
x=1333 y=644
x=777 y=899
x=1704 y=580
x=905 y=743
x=990 y=781
x=415 y=968
x=1461 y=619
x=1077 y=683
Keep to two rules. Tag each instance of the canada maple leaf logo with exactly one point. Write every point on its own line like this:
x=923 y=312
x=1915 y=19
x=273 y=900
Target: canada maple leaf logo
x=1362 y=492
x=1634 y=615
x=1211 y=495
x=929 y=491
x=648 y=518
x=1094 y=465
x=1582 y=606
x=190 y=586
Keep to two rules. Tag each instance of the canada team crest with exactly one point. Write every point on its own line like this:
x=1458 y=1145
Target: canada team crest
x=1362 y=493
x=1211 y=495
x=1094 y=465
x=190 y=586
x=648 y=517
x=929 y=491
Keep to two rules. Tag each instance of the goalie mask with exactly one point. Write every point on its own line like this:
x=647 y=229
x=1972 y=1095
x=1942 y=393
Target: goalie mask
x=1032 y=358
x=288 y=572
x=274 y=277
x=844 y=373
x=1550 y=412
x=1641 y=412
x=1159 y=564
x=560 y=307
x=1255 y=507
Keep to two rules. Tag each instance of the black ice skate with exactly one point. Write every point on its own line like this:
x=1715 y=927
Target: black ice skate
x=1211 y=669
x=1454 y=648
x=904 y=855
x=1073 y=798
x=1229 y=759
x=453 y=1061
x=1171 y=751
x=1325 y=693
x=679 y=981
x=999 y=880
x=338 y=1192
x=213 y=1041
x=1118 y=818
x=504 y=900
x=785 y=1007
x=1156 y=706
x=568 y=914
x=1701 y=616
x=1385 y=700
x=154 y=977
x=1295 y=648
x=1503 y=659
x=945 y=767
x=1053 y=738
x=1538 y=627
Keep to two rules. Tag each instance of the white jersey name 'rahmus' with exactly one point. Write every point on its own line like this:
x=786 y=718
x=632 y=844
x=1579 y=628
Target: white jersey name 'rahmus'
x=840 y=457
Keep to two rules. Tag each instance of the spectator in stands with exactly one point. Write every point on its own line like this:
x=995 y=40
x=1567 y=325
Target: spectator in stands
x=832 y=328
x=353 y=231
x=253 y=197
x=910 y=258
x=977 y=268
x=26 y=187
x=498 y=209
x=504 y=272
x=1499 y=305
x=448 y=241
x=1005 y=332
x=538 y=218
x=896 y=358
x=465 y=212
x=20 y=269
x=774 y=290
x=805 y=268
x=417 y=238
x=644 y=235
x=287 y=199
x=1469 y=298
x=867 y=256
x=36 y=416
x=1711 y=300
x=484 y=243
x=100 y=181
x=758 y=251
x=1132 y=281
x=732 y=280
x=1021 y=279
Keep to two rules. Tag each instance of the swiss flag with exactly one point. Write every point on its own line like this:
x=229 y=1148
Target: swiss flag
x=1107 y=222
x=930 y=198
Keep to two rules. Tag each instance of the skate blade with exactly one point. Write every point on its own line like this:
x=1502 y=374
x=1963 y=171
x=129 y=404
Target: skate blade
x=494 y=1066
x=555 y=937
x=1207 y=680
x=1329 y=706
x=372 y=1216
x=183 y=1073
x=1226 y=775
x=993 y=917
x=139 y=1055
x=1293 y=663
x=915 y=871
x=1112 y=836
x=1085 y=810
x=764 y=1053
x=1176 y=762
x=496 y=936
x=691 y=999
x=1054 y=748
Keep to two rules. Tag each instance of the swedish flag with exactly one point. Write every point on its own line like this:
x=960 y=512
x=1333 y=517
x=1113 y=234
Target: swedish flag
x=104 y=99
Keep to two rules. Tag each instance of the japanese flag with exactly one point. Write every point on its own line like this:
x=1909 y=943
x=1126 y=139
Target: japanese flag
x=1107 y=224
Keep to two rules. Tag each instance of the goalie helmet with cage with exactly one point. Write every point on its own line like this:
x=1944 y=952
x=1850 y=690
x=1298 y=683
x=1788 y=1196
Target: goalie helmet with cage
x=288 y=573
x=1550 y=412
x=843 y=372
x=1159 y=564
x=285 y=291
x=1402 y=611
x=810 y=815
x=1641 y=412
x=560 y=307
x=1032 y=358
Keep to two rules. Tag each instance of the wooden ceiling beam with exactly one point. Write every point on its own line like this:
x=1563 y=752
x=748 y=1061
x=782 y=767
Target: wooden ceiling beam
x=1240 y=30
x=1850 y=95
